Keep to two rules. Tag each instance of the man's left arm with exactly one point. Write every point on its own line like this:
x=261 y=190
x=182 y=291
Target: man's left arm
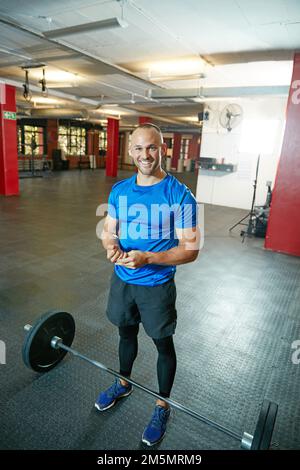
x=186 y=251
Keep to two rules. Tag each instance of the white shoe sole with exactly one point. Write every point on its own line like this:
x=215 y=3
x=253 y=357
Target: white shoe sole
x=156 y=442
x=150 y=444
x=114 y=402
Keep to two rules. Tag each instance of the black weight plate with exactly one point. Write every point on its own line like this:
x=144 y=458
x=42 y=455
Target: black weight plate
x=269 y=426
x=265 y=425
x=37 y=351
x=260 y=425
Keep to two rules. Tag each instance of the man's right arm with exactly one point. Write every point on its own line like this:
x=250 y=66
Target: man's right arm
x=110 y=240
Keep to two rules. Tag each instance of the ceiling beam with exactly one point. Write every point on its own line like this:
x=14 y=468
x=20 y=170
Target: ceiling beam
x=225 y=58
x=222 y=92
x=109 y=23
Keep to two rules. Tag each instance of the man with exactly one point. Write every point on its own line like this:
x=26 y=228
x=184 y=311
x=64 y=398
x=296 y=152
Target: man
x=150 y=228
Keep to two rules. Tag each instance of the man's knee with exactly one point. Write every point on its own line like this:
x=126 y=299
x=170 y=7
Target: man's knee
x=165 y=345
x=128 y=332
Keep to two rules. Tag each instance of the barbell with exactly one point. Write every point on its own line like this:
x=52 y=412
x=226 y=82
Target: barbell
x=50 y=339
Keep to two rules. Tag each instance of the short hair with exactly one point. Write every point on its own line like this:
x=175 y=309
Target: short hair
x=149 y=125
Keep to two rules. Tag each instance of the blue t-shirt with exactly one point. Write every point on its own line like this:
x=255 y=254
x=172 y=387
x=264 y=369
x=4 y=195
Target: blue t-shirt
x=147 y=218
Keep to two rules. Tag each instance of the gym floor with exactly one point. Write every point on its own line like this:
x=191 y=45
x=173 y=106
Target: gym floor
x=238 y=314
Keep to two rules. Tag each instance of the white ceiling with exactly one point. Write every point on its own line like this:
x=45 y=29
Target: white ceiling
x=234 y=43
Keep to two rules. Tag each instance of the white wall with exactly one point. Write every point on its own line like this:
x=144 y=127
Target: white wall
x=236 y=189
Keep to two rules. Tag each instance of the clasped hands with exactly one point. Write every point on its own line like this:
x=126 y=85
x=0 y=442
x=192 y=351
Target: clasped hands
x=132 y=259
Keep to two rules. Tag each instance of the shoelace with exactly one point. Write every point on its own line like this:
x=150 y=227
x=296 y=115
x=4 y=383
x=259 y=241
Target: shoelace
x=113 y=390
x=158 y=417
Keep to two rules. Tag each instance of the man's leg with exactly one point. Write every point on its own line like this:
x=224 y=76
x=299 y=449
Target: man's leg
x=128 y=348
x=166 y=366
x=127 y=354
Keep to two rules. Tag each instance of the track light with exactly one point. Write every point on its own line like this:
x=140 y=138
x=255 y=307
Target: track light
x=109 y=23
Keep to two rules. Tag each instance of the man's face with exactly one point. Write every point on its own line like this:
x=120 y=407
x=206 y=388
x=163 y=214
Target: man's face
x=147 y=149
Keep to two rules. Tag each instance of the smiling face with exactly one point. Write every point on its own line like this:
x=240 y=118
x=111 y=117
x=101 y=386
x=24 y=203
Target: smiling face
x=147 y=150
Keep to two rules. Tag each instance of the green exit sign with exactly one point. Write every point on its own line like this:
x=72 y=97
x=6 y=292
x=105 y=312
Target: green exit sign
x=9 y=115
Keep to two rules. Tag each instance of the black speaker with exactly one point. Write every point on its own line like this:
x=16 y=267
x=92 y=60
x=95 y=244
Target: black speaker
x=56 y=158
x=204 y=116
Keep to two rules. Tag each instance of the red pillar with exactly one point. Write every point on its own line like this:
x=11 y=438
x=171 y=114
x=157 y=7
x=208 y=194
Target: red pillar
x=198 y=148
x=283 y=232
x=144 y=120
x=194 y=147
x=112 y=147
x=52 y=136
x=9 y=178
x=176 y=150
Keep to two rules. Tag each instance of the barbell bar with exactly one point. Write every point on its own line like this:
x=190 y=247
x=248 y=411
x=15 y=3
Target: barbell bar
x=51 y=337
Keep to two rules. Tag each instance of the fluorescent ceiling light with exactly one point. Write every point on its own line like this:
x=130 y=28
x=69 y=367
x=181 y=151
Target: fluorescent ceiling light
x=112 y=112
x=88 y=101
x=203 y=99
x=177 y=67
x=44 y=100
x=115 y=111
x=199 y=99
x=109 y=23
x=190 y=119
x=56 y=76
x=171 y=78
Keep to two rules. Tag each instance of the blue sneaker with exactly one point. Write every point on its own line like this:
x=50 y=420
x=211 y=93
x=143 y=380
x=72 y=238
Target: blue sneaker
x=156 y=428
x=108 y=398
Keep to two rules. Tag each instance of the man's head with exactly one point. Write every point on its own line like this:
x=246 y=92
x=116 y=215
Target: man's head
x=147 y=148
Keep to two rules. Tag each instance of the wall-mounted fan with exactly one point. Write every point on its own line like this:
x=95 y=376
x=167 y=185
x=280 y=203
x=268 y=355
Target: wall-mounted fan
x=231 y=116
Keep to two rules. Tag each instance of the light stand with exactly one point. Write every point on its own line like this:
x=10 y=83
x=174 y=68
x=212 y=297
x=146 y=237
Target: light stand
x=250 y=225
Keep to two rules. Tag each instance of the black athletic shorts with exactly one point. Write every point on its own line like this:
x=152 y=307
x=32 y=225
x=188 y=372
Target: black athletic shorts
x=154 y=306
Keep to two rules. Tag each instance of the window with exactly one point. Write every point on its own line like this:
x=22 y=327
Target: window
x=72 y=140
x=258 y=135
x=102 y=140
x=184 y=149
x=32 y=142
x=19 y=140
x=170 y=142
